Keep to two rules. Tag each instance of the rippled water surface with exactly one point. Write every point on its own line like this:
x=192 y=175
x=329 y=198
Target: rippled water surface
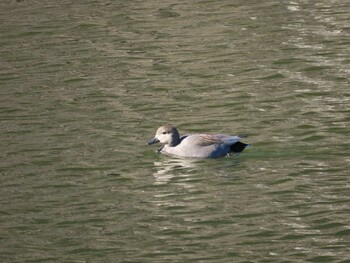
x=83 y=86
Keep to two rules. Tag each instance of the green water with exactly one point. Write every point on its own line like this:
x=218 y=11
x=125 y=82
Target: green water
x=83 y=86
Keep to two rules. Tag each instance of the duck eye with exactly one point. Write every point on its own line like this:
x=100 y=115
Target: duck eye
x=164 y=132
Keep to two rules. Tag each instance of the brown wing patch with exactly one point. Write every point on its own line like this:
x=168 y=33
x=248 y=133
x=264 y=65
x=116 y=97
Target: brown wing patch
x=209 y=139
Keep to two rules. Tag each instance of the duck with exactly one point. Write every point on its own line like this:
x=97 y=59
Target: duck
x=202 y=145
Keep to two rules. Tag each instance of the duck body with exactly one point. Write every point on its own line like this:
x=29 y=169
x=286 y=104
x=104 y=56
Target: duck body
x=196 y=145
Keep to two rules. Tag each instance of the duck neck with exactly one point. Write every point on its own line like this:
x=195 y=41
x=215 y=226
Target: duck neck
x=175 y=141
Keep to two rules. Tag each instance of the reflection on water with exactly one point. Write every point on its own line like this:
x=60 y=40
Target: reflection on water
x=168 y=168
x=83 y=83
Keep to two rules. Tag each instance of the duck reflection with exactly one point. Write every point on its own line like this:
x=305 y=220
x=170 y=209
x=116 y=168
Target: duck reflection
x=185 y=170
x=169 y=168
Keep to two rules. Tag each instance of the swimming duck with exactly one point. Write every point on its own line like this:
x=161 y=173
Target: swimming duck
x=196 y=145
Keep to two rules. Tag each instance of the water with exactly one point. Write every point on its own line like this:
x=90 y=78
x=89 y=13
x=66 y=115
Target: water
x=85 y=84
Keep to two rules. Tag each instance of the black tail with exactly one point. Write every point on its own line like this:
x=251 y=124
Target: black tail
x=238 y=147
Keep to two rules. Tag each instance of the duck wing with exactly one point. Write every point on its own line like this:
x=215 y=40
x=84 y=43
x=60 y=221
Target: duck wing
x=210 y=139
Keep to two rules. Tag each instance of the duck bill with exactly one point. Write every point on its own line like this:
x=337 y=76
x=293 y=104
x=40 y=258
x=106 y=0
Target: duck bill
x=153 y=141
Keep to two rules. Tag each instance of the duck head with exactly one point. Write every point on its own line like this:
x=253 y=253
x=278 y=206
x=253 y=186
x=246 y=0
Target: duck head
x=167 y=135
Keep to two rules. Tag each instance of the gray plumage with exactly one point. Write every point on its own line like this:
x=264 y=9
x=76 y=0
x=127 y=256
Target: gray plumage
x=196 y=145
